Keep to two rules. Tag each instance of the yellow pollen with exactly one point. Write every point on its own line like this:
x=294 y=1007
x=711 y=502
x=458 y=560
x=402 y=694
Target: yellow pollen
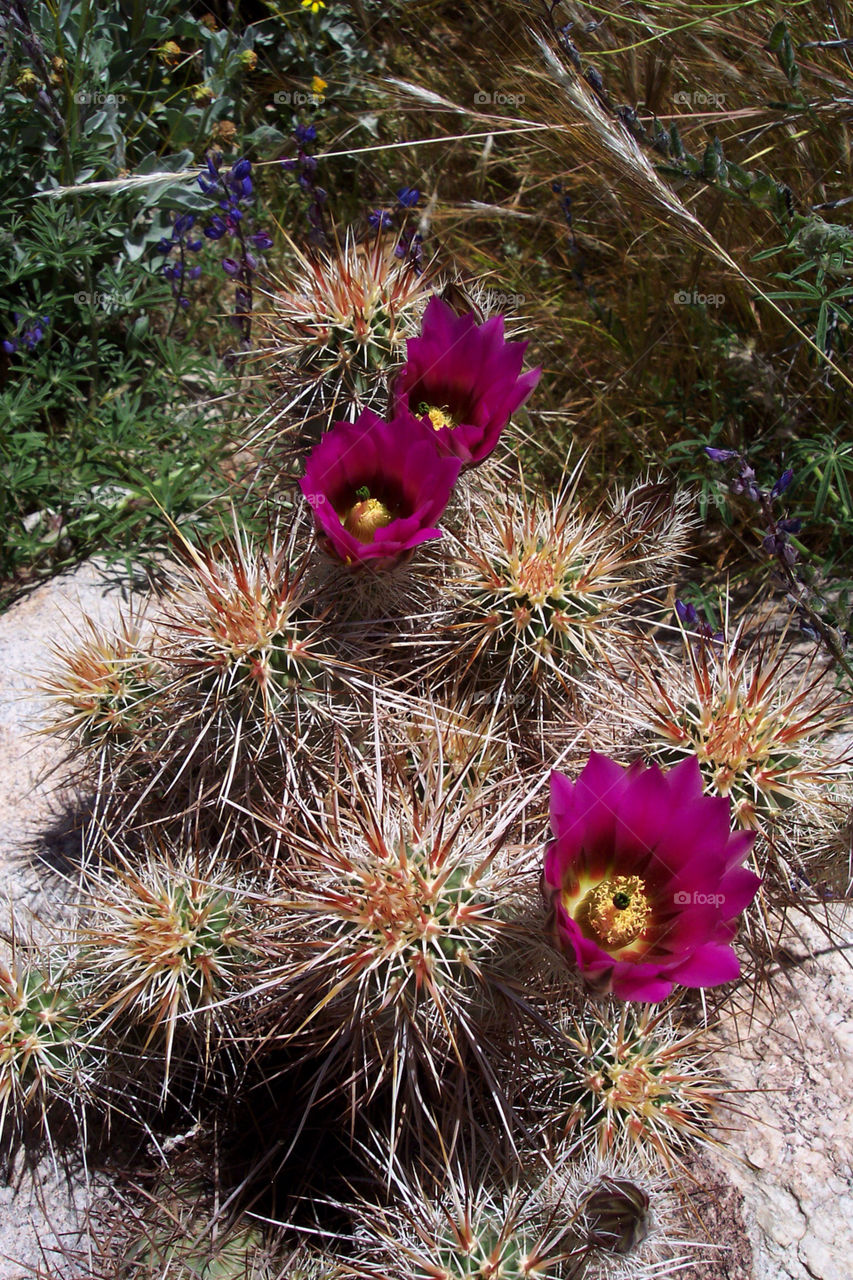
x=439 y=418
x=366 y=517
x=615 y=912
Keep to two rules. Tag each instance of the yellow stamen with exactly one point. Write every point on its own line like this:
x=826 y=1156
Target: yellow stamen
x=440 y=418
x=615 y=912
x=366 y=517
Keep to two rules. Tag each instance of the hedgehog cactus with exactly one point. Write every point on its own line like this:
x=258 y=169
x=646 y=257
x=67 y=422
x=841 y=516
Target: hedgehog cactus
x=103 y=692
x=327 y=879
x=178 y=1236
x=470 y=1224
x=543 y=590
x=630 y=1080
x=44 y=1054
x=344 y=316
x=163 y=940
x=626 y=1223
x=752 y=713
x=397 y=929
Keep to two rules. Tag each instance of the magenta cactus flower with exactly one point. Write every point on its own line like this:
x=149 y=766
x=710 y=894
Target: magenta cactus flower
x=464 y=378
x=645 y=878
x=377 y=488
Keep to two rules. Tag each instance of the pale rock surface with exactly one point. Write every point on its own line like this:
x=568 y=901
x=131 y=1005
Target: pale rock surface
x=39 y=1206
x=778 y=1202
x=795 y=1166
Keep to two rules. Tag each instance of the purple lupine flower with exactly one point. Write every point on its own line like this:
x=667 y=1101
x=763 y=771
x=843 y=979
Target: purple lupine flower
x=176 y=272
x=464 y=378
x=380 y=219
x=721 y=455
x=305 y=134
x=410 y=245
x=777 y=540
x=28 y=335
x=644 y=878
x=208 y=179
x=687 y=613
x=408 y=197
x=744 y=483
x=782 y=483
x=305 y=167
x=377 y=488
x=237 y=188
x=688 y=616
x=239 y=180
x=216 y=228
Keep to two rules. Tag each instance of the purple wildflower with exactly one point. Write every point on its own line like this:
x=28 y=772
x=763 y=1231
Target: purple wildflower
x=645 y=878
x=377 y=488
x=380 y=219
x=721 y=455
x=464 y=378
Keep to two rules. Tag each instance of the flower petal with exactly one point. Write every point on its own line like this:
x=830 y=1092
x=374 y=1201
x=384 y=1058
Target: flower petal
x=710 y=964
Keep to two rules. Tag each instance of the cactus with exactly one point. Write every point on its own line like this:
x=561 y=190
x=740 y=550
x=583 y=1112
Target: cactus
x=103 y=692
x=626 y=1080
x=165 y=937
x=543 y=591
x=45 y=1057
x=397 y=925
x=343 y=316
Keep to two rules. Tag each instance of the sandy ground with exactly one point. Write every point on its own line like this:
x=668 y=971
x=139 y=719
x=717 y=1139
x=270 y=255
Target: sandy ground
x=778 y=1203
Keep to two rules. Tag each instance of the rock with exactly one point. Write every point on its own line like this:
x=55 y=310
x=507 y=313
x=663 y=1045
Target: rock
x=791 y=1160
x=43 y=1204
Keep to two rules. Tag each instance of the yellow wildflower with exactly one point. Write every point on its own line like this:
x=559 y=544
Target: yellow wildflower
x=170 y=52
x=27 y=81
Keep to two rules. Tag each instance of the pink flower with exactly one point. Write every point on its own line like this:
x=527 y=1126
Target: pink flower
x=464 y=378
x=644 y=878
x=377 y=488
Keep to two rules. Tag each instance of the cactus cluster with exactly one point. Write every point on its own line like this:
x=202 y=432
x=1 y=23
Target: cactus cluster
x=313 y=885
